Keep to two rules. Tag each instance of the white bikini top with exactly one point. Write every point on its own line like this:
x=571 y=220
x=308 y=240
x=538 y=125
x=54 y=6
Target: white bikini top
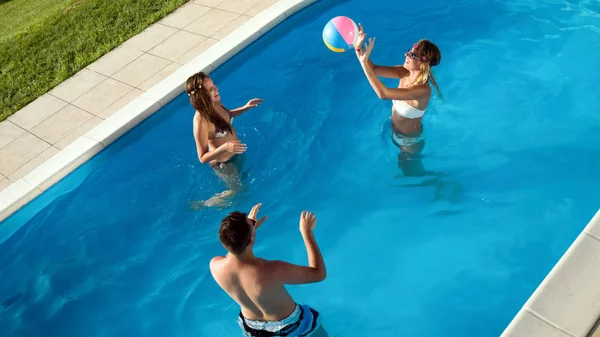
x=223 y=133
x=404 y=109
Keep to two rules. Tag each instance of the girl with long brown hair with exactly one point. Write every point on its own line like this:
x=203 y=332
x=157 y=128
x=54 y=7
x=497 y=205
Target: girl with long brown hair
x=217 y=142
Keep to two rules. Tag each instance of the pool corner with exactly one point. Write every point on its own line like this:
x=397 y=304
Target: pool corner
x=567 y=302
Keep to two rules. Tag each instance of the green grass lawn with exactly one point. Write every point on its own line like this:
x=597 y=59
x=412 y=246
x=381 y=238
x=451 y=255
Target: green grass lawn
x=44 y=42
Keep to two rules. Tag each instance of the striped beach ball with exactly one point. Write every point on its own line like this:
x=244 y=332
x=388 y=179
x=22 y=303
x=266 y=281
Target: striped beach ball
x=340 y=33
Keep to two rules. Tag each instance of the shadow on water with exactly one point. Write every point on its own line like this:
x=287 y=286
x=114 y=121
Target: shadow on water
x=413 y=173
x=445 y=191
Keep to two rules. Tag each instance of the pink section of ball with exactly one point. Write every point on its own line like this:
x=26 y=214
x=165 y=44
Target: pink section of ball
x=345 y=26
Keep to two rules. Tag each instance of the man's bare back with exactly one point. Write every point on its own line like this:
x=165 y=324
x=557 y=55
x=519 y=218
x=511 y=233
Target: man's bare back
x=254 y=286
x=258 y=285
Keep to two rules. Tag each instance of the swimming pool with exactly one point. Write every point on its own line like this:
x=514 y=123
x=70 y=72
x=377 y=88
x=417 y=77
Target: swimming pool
x=510 y=168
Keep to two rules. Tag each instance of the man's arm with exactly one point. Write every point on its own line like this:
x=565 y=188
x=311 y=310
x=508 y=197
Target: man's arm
x=315 y=272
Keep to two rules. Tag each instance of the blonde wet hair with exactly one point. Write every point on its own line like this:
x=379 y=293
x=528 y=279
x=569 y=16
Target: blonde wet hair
x=430 y=56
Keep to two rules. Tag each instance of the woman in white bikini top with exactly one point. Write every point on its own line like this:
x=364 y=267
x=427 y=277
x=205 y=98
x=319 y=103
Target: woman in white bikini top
x=411 y=97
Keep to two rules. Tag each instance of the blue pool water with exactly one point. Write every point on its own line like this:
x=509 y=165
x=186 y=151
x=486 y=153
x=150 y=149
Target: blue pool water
x=509 y=179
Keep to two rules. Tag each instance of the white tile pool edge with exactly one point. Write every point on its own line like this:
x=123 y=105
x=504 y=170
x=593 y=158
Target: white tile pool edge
x=567 y=302
x=33 y=184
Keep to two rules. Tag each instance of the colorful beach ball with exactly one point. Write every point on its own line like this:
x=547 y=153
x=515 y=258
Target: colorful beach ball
x=340 y=33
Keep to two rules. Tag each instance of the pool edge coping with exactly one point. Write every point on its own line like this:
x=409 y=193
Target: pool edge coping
x=567 y=302
x=27 y=188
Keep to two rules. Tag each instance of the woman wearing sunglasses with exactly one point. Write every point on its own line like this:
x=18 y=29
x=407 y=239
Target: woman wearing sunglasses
x=411 y=97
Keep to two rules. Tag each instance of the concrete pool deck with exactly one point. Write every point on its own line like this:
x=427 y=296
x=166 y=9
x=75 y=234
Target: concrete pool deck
x=65 y=127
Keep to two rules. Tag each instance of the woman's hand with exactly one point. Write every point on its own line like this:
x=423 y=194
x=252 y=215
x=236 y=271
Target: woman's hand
x=235 y=147
x=364 y=54
x=358 y=45
x=253 y=103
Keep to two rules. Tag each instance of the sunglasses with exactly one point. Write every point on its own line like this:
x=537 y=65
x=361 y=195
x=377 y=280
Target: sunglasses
x=410 y=53
x=414 y=56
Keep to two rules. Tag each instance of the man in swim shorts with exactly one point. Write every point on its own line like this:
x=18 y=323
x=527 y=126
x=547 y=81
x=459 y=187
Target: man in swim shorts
x=258 y=285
